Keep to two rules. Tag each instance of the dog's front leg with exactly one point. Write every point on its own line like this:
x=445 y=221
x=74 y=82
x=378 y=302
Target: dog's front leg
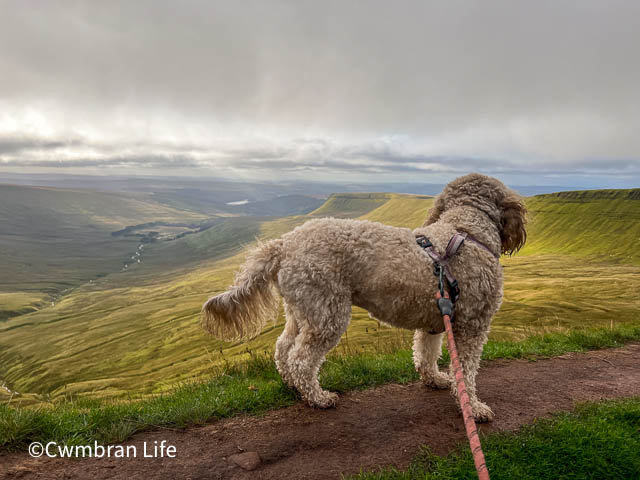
x=470 y=346
x=427 y=349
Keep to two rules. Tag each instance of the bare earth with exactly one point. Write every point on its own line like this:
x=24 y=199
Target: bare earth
x=375 y=428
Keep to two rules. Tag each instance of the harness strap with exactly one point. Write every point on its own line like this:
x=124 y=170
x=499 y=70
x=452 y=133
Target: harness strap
x=441 y=262
x=454 y=244
x=452 y=247
x=482 y=245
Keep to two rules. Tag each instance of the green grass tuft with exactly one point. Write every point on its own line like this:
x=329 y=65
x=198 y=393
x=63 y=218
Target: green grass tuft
x=252 y=387
x=556 y=343
x=597 y=441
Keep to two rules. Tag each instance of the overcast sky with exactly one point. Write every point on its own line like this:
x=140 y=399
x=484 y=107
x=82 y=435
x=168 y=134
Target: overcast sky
x=533 y=92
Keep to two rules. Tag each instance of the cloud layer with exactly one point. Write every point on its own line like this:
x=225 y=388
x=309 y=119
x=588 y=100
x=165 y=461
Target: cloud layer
x=375 y=89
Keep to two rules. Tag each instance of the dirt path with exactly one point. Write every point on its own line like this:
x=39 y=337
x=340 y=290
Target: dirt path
x=377 y=427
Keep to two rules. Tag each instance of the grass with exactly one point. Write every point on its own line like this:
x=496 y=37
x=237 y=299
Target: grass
x=144 y=338
x=137 y=333
x=125 y=354
x=402 y=211
x=596 y=441
x=350 y=205
x=596 y=223
x=252 y=387
x=53 y=239
x=18 y=303
x=140 y=329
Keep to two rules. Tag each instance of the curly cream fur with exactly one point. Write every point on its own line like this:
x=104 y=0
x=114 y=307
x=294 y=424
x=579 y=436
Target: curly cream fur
x=325 y=266
x=243 y=310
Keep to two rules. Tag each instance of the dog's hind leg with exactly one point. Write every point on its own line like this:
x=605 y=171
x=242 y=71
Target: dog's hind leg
x=427 y=349
x=317 y=336
x=285 y=343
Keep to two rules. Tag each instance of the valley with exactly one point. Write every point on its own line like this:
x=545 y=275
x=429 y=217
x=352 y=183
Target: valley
x=135 y=332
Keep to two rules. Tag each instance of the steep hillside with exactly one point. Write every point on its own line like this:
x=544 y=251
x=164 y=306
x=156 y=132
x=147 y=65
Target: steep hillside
x=601 y=223
x=402 y=211
x=350 y=205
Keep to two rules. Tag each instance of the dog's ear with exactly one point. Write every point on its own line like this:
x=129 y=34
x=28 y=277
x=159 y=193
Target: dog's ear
x=513 y=220
x=435 y=211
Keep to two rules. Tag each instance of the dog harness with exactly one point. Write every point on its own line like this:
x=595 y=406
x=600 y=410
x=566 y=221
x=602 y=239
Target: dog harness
x=441 y=267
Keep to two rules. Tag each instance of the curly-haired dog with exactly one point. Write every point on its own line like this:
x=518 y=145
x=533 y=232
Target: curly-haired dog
x=325 y=266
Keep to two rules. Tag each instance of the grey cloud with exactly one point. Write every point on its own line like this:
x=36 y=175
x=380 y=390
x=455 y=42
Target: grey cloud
x=409 y=65
x=325 y=158
x=22 y=143
x=144 y=161
x=499 y=86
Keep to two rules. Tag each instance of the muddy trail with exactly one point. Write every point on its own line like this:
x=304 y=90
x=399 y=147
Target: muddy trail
x=375 y=428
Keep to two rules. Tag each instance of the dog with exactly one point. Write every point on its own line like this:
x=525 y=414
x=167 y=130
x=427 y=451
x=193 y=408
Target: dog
x=325 y=266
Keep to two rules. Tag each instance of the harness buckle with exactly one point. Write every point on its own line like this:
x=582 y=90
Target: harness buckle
x=423 y=241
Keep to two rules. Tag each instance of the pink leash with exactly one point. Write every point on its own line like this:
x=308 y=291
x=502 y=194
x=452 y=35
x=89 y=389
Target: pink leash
x=465 y=404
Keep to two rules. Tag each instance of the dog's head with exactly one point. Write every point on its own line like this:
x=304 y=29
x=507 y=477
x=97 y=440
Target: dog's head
x=501 y=204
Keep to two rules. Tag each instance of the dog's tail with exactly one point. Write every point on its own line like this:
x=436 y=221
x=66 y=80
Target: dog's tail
x=243 y=310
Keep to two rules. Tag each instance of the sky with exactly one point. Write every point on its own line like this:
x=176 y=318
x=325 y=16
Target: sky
x=536 y=93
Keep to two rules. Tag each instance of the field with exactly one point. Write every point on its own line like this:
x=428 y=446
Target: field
x=135 y=332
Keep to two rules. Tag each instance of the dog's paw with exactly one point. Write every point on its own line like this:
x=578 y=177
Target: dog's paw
x=482 y=412
x=440 y=381
x=324 y=400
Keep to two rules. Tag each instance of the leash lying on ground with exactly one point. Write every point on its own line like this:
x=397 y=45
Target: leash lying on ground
x=446 y=307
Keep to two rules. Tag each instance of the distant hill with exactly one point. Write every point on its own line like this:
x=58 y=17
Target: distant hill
x=280 y=206
x=350 y=205
x=53 y=238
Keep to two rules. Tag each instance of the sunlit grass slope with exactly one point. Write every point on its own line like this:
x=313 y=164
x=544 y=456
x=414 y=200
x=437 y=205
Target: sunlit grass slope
x=596 y=223
x=350 y=204
x=402 y=211
x=139 y=333
x=18 y=303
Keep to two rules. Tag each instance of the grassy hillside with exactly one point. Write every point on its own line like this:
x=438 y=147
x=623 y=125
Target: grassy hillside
x=53 y=239
x=21 y=205
x=595 y=223
x=402 y=211
x=350 y=205
x=140 y=326
x=138 y=332
x=19 y=303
